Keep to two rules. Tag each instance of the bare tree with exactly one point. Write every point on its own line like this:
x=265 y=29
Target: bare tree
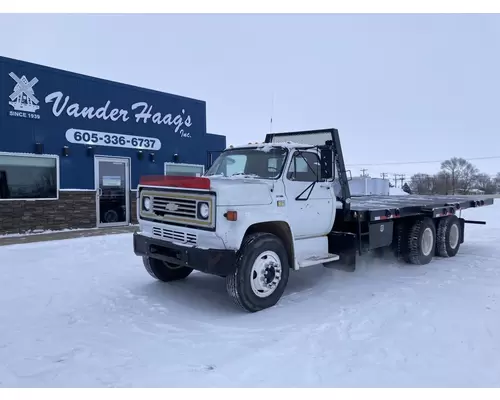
x=457 y=175
x=422 y=183
x=462 y=173
x=468 y=177
x=452 y=167
x=442 y=183
x=485 y=183
x=497 y=182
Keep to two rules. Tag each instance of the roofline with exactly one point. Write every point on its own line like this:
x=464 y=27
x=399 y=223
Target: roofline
x=96 y=79
x=216 y=134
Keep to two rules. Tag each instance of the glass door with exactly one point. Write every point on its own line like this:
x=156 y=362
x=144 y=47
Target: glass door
x=113 y=191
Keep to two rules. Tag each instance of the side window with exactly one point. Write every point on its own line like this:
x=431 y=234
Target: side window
x=235 y=164
x=304 y=167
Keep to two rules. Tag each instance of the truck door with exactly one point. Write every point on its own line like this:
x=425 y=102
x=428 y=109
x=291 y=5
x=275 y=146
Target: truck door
x=322 y=137
x=310 y=204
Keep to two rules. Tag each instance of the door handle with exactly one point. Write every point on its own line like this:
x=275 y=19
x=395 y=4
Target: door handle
x=99 y=192
x=325 y=186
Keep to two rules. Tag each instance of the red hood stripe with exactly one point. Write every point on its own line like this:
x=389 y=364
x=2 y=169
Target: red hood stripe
x=188 y=182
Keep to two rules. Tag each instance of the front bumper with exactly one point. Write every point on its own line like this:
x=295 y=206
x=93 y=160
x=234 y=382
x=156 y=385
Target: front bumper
x=210 y=261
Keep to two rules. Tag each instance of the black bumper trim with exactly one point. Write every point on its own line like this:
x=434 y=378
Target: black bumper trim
x=210 y=261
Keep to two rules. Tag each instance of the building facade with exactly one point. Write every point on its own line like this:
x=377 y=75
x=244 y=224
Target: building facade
x=73 y=147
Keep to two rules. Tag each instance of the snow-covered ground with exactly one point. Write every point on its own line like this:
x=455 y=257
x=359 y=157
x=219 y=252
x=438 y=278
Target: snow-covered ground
x=84 y=312
x=395 y=191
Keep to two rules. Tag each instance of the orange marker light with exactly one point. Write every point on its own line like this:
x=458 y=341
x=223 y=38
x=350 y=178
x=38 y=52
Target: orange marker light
x=231 y=215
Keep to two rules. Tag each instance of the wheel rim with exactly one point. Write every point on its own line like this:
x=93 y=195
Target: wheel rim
x=266 y=274
x=427 y=241
x=454 y=234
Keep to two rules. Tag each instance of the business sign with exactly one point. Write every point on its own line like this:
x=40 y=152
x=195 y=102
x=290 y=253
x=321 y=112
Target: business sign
x=144 y=113
x=112 y=181
x=25 y=103
x=94 y=138
x=23 y=99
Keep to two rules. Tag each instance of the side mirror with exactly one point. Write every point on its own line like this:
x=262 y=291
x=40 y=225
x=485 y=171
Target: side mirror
x=326 y=155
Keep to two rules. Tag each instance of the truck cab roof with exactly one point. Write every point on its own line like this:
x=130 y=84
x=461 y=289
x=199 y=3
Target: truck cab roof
x=263 y=145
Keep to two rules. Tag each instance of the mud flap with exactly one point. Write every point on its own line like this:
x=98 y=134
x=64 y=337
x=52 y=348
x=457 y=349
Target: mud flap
x=462 y=229
x=346 y=246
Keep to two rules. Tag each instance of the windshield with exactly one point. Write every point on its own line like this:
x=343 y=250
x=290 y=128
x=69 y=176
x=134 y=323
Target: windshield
x=265 y=162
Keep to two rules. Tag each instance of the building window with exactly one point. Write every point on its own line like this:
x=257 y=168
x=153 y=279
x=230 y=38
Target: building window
x=28 y=177
x=184 y=169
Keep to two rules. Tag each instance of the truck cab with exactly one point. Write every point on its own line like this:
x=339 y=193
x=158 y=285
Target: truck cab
x=280 y=183
x=260 y=210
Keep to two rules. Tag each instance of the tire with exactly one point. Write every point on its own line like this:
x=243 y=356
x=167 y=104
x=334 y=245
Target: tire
x=111 y=216
x=243 y=285
x=400 y=239
x=420 y=250
x=164 y=271
x=448 y=236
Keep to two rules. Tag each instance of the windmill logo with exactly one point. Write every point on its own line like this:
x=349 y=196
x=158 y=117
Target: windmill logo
x=23 y=97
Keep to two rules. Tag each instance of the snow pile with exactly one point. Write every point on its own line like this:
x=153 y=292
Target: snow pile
x=266 y=148
x=395 y=191
x=44 y=232
x=84 y=312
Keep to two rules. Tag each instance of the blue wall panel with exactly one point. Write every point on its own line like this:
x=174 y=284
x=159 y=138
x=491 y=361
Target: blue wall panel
x=46 y=105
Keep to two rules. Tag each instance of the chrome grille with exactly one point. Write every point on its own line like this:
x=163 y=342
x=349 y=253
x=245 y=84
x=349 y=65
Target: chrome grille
x=177 y=207
x=176 y=236
x=184 y=208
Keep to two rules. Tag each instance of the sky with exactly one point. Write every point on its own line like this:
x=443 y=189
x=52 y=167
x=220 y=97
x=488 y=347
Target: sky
x=400 y=88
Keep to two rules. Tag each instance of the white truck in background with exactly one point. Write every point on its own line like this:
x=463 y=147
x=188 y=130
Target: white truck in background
x=264 y=210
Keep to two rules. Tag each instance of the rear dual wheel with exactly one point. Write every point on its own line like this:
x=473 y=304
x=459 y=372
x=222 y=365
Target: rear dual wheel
x=420 y=241
x=448 y=236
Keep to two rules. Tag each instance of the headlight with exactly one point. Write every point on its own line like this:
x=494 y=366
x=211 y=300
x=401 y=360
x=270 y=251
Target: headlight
x=146 y=202
x=203 y=210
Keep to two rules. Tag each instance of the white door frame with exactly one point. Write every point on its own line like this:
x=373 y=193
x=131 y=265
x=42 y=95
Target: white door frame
x=126 y=162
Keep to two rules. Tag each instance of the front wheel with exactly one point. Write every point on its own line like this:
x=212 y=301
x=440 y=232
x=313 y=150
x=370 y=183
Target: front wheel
x=164 y=271
x=261 y=274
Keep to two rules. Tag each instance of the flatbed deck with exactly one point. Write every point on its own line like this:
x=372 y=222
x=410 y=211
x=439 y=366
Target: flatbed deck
x=388 y=207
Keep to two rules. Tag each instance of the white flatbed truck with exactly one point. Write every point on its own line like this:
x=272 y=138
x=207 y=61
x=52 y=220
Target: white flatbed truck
x=263 y=210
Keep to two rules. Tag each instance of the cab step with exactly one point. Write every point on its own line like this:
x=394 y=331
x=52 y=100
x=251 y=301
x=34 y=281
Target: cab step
x=315 y=260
